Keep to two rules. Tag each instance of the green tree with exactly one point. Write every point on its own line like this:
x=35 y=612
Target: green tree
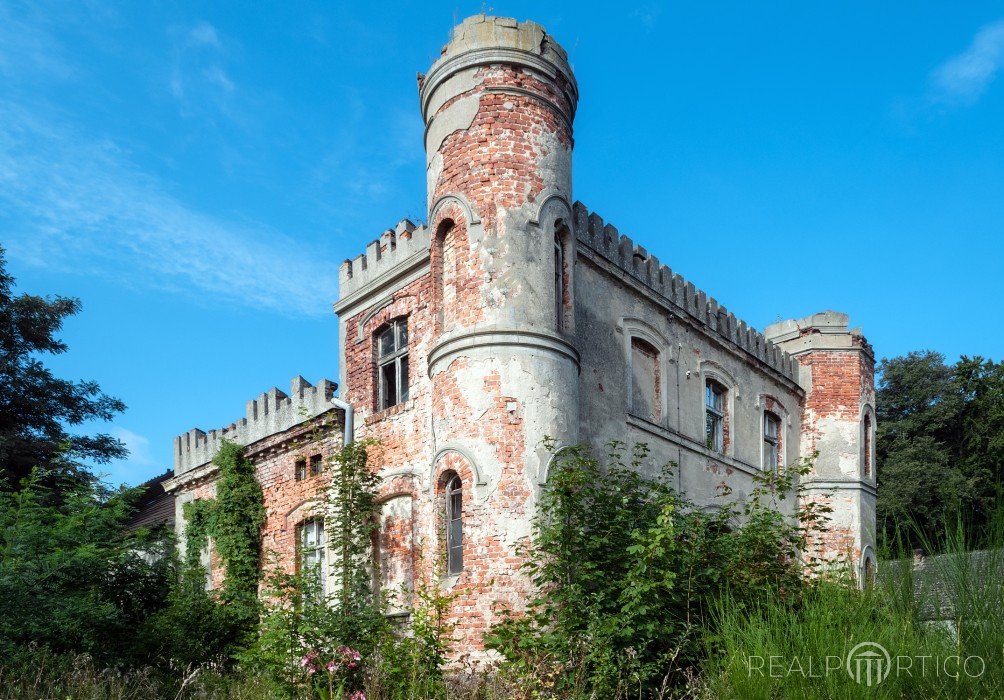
x=939 y=446
x=36 y=408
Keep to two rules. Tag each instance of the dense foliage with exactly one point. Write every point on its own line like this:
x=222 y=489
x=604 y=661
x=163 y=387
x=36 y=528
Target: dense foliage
x=939 y=446
x=626 y=569
x=71 y=579
x=36 y=407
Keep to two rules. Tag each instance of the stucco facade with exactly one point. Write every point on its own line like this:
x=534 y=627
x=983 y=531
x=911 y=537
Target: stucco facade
x=514 y=315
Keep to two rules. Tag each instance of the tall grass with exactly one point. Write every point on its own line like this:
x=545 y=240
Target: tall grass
x=941 y=621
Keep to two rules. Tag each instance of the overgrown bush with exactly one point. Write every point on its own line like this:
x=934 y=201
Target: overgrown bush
x=627 y=570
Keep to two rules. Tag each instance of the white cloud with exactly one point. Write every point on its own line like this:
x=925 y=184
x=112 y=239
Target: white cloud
x=964 y=78
x=138 y=446
x=78 y=205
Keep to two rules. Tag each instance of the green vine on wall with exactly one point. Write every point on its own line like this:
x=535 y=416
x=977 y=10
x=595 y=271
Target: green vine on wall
x=234 y=520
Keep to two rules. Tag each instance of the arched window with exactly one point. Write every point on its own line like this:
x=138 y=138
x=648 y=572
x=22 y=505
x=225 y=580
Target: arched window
x=771 y=441
x=392 y=364
x=867 y=442
x=714 y=415
x=559 y=282
x=454 y=524
x=868 y=571
x=646 y=398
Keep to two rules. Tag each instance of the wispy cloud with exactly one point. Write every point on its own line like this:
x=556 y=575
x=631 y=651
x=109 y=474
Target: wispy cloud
x=198 y=76
x=138 y=446
x=79 y=205
x=962 y=79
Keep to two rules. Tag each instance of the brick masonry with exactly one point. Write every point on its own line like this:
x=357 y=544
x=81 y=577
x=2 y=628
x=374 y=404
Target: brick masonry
x=494 y=368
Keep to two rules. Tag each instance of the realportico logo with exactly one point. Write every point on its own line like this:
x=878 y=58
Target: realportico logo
x=867 y=663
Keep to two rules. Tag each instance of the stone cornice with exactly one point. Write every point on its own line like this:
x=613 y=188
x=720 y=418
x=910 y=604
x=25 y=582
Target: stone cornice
x=450 y=346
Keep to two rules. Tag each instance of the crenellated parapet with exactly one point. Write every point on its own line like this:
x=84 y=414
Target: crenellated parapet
x=271 y=413
x=394 y=252
x=606 y=241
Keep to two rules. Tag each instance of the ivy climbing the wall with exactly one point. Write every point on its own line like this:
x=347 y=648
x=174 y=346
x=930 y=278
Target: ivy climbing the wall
x=233 y=520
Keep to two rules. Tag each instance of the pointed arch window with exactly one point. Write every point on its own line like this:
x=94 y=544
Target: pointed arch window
x=454 y=493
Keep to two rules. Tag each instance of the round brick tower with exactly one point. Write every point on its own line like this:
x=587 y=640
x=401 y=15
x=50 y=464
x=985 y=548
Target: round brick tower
x=498 y=107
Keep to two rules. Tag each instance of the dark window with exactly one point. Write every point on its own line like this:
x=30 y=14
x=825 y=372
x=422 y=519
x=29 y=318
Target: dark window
x=868 y=447
x=714 y=407
x=312 y=560
x=454 y=525
x=301 y=469
x=392 y=364
x=771 y=433
x=316 y=465
x=559 y=282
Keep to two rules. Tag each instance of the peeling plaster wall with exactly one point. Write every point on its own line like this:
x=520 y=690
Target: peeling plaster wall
x=687 y=356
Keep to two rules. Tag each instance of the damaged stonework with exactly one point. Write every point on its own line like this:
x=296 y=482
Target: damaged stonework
x=529 y=317
x=515 y=315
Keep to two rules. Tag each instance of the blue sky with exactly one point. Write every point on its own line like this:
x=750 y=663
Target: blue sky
x=195 y=172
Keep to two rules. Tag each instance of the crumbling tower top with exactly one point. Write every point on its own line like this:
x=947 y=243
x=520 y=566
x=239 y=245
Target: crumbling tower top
x=482 y=40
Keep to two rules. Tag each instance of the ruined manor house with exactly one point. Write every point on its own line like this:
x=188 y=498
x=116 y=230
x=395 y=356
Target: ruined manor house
x=516 y=314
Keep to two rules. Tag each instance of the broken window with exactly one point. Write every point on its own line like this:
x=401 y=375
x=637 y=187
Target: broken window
x=714 y=426
x=301 y=469
x=316 y=465
x=392 y=364
x=312 y=559
x=771 y=440
x=454 y=524
x=646 y=401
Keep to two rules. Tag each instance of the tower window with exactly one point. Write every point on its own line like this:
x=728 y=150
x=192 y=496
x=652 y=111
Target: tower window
x=559 y=282
x=392 y=364
x=771 y=440
x=714 y=409
x=868 y=446
x=301 y=469
x=311 y=541
x=454 y=525
x=316 y=465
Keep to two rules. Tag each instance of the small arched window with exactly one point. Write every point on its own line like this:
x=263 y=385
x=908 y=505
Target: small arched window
x=454 y=524
x=867 y=442
x=559 y=282
x=392 y=364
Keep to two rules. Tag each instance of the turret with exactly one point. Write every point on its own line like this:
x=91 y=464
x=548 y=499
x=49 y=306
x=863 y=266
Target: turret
x=837 y=371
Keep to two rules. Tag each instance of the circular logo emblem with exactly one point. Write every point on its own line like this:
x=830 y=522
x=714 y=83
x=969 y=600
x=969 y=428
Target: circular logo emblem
x=869 y=663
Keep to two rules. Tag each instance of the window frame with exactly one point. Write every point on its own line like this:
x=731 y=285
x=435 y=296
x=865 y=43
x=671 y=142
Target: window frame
x=868 y=444
x=397 y=359
x=315 y=465
x=300 y=468
x=453 y=502
x=559 y=281
x=317 y=552
x=715 y=414
x=772 y=442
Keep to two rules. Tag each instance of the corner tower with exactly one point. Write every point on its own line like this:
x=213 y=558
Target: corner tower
x=498 y=107
x=837 y=371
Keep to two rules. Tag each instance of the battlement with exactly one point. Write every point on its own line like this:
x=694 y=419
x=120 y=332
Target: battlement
x=394 y=251
x=271 y=413
x=605 y=241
